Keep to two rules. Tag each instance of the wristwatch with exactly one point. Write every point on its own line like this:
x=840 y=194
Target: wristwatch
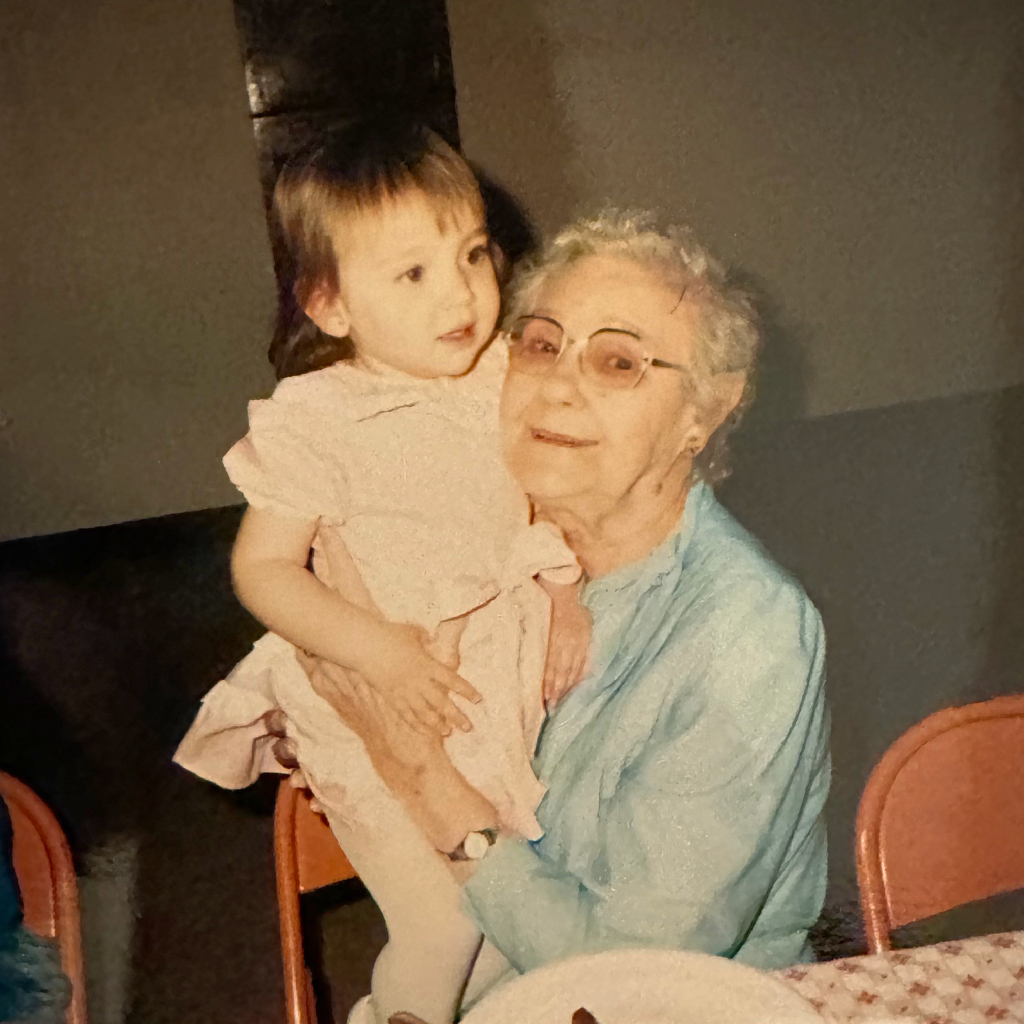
x=475 y=845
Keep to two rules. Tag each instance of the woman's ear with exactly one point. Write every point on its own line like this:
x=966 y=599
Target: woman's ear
x=329 y=313
x=730 y=388
x=728 y=392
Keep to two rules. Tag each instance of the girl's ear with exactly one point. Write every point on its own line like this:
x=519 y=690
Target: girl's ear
x=502 y=264
x=329 y=313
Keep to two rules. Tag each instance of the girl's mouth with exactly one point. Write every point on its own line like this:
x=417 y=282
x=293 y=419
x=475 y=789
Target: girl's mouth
x=559 y=440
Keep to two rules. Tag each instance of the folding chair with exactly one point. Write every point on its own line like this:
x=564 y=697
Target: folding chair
x=46 y=878
x=307 y=857
x=941 y=820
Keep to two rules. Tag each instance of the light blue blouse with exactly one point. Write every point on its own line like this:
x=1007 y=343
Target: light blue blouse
x=686 y=775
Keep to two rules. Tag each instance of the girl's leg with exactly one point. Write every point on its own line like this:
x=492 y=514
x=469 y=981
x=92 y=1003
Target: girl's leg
x=490 y=970
x=431 y=942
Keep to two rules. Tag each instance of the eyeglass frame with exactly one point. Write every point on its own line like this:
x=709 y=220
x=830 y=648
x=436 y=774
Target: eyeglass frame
x=648 y=360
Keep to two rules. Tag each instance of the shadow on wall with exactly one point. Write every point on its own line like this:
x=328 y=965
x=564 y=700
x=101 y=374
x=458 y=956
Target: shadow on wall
x=781 y=382
x=507 y=220
x=528 y=111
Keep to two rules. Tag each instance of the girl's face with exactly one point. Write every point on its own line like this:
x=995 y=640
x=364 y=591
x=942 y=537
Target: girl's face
x=417 y=286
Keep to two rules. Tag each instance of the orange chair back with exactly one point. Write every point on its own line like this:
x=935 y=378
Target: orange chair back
x=307 y=857
x=941 y=820
x=46 y=878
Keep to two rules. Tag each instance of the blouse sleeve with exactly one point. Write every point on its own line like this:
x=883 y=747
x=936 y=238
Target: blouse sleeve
x=289 y=462
x=695 y=835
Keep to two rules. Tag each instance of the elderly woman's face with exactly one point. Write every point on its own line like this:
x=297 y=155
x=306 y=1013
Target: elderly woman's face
x=564 y=434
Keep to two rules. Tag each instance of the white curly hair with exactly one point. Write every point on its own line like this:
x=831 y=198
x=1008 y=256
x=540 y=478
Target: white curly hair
x=728 y=329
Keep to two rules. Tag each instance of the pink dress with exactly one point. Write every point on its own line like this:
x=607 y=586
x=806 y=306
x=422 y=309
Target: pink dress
x=408 y=475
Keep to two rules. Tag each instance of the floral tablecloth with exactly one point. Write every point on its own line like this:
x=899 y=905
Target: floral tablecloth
x=974 y=981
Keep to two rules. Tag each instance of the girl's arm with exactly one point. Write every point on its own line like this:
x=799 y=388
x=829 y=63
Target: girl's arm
x=268 y=566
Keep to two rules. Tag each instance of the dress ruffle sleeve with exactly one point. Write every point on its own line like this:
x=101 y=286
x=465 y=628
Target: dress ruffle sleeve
x=288 y=463
x=229 y=743
x=540 y=550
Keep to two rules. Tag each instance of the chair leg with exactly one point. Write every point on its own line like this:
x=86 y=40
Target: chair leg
x=310 y=998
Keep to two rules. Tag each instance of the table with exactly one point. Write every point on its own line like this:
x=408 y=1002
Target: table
x=974 y=981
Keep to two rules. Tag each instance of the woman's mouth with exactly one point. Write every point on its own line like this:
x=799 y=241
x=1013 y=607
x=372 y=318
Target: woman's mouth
x=461 y=335
x=559 y=440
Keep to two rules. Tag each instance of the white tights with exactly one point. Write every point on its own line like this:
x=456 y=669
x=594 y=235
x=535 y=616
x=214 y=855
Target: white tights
x=431 y=943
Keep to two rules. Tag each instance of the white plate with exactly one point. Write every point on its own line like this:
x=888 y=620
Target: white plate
x=644 y=986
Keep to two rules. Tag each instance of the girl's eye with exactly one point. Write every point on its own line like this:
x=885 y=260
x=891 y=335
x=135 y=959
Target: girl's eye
x=478 y=254
x=414 y=274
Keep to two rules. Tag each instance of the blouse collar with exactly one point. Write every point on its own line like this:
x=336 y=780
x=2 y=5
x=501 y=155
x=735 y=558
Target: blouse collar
x=640 y=576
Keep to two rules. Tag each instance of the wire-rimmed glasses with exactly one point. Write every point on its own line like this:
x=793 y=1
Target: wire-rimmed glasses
x=612 y=358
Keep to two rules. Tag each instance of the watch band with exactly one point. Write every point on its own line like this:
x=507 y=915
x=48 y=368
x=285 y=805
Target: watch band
x=475 y=845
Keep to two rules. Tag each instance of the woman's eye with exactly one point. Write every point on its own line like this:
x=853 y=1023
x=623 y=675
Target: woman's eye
x=478 y=254
x=414 y=274
x=619 y=363
x=542 y=346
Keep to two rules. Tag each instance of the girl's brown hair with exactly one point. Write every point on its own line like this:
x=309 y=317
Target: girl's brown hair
x=351 y=170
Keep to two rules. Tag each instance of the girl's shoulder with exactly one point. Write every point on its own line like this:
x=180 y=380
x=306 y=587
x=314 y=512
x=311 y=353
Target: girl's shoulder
x=344 y=392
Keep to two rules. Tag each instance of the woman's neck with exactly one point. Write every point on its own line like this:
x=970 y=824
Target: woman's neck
x=622 y=533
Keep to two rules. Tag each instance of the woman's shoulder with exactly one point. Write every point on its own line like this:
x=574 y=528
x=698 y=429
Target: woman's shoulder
x=742 y=587
x=747 y=641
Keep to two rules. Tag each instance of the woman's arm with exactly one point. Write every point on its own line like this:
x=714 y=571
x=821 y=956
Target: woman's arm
x=716 y=818
x=269 y=571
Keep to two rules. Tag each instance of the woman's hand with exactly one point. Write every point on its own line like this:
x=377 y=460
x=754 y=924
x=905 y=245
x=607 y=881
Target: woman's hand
x=410 y=759
x=393 y=741
x=568 y=642
x=284 y=751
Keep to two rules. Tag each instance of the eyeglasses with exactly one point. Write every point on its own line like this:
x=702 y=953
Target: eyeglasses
x=612 y=358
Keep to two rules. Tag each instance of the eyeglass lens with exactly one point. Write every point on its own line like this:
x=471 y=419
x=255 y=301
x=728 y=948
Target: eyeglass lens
x=609 y=358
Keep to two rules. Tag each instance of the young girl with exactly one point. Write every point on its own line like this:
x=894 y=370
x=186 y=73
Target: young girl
x=379 y=450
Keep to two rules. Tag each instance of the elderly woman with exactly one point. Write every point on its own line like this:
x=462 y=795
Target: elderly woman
x=687 y=773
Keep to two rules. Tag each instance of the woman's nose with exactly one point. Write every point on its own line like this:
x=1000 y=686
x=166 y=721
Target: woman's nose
x=561 y=382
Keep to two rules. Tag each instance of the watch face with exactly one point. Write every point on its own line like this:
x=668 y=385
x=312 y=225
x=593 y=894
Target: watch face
x=476 y=845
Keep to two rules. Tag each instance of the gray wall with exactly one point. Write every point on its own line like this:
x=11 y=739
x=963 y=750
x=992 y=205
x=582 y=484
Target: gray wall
x=137 y=282
x=904 y=526
x=864 y=159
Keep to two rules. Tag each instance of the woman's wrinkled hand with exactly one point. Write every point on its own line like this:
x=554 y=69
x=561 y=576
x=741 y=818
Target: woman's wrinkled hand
x=568 y=645
x=284 y=752
x=393 y=741
x=411 y=761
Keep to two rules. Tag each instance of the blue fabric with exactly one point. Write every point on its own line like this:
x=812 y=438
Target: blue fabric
x=687 y=774
x=33 y=990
